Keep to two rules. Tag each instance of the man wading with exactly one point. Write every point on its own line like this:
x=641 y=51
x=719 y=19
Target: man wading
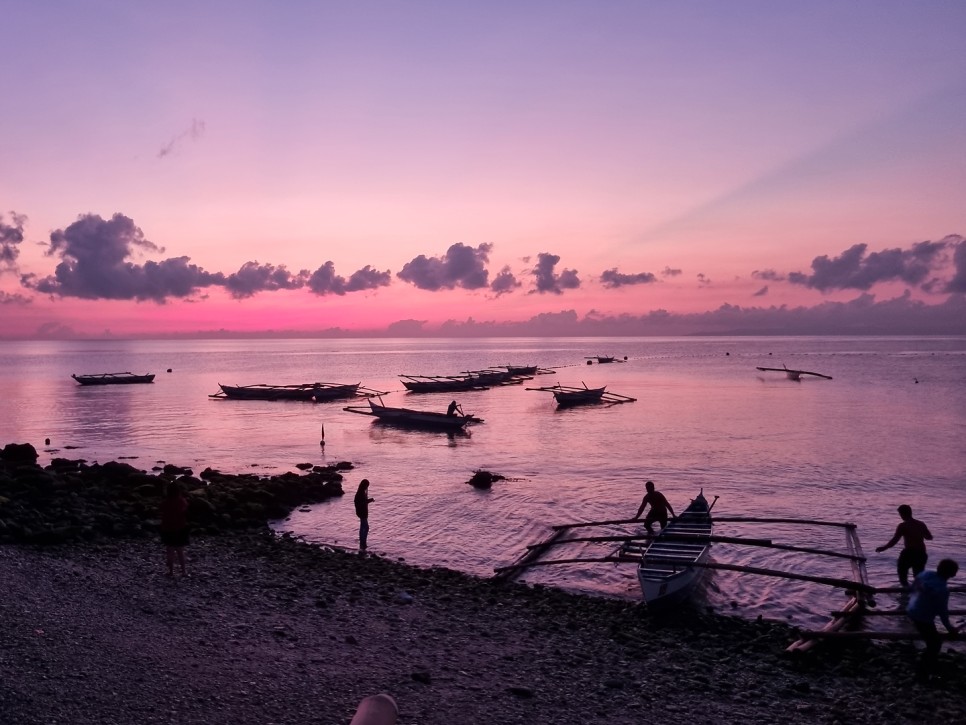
x=913 y=555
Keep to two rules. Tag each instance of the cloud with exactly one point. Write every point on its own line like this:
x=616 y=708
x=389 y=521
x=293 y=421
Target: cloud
x=253 y=277
x=547 y=280
x=325 y=281
x=461 y=266
x=861 y=316
x=958 y=282
x=854 y=269
x=94 y=254
x=15 y=298
x=504 y=282
x=612 y=278
x=703 y=279
x=768 y=274
x=404 y=328
x=195 y=131
x=11 y=235
x=668 y=272
x=762 y=292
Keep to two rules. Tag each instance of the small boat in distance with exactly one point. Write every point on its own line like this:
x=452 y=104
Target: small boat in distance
x=568 y=395
x=666 y=572
x=414 y=418
x=794 y=374
x=442 y=383
x=319 y=392
x=113 y=379
x=602 y=359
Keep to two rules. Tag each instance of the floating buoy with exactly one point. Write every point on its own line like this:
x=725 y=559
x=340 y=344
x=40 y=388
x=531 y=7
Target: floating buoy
x=47 y=440
x=169 y=370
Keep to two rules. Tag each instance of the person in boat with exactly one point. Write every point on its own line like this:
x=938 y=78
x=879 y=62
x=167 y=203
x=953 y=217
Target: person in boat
x=659 y=508
x=913 y=533
x=929 y=599
x=362 y=502
x=174 y=527
x=453 y=408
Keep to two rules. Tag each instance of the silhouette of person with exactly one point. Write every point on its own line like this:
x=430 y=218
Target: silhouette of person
x=362 y=502
x=453 y=407
x=659 y=508
x=174 y=527
x=913 y=533
x=929 y=599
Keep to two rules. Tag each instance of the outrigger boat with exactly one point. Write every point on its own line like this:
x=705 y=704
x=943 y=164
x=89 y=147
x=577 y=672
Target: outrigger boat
x=568 y=395
x=414 y=418
x=441 y=383
x=602 y=359
x=666 y=570
x=319 y=392
x=793 y=374
x=528 y=370
x=113 y=379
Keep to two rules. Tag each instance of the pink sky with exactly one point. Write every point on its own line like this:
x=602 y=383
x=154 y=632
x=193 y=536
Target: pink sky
x=559 y=167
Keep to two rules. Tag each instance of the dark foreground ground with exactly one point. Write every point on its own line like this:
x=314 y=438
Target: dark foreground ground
x=276 y=631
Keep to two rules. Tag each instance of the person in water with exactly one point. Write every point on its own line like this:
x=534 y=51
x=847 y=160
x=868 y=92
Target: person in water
x=659 y=507
x=453 y=407
x=929 y=599
x=174 y=527
x=362 y=502
x=913 y=533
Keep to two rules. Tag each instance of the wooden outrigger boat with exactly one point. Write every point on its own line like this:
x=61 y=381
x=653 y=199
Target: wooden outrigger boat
x=568 y=395
x=794 y=374
x=666 y=570
x=528 y=370
x=414 y=418
x=318 y=392
x=113 y=379
x=441 y=383
x=603 y=359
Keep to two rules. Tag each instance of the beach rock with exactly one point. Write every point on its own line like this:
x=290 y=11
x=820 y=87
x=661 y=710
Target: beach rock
x=19 y=453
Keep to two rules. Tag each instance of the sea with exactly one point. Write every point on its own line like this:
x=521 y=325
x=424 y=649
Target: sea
x=888 y=428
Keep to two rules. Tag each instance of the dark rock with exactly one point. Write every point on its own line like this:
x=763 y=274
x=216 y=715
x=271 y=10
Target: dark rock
x=19 y=453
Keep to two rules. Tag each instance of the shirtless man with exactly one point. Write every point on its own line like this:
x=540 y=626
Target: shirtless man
x=913 y=555
x=659 y=507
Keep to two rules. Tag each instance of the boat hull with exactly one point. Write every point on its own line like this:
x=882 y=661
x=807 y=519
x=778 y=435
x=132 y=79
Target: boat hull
x=415 y=418
x=113 y=379
x=666 y=573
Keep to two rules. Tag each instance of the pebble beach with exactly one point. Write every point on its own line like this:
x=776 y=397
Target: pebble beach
x=270 y=629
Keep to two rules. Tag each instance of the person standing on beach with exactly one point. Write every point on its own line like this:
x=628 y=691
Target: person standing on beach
x=929 y=599
x=913 y=533
x=174 y=527
x=659 y=508
x=362 y=502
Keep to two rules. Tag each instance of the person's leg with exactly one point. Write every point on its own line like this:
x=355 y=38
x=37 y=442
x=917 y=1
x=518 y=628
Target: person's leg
x=363 y=533
x=918 y=562
x=180 y=553
x=930 y=654
x=903 y=564
x=169 y=558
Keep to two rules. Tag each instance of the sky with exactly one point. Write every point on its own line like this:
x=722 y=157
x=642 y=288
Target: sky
x=482 y=168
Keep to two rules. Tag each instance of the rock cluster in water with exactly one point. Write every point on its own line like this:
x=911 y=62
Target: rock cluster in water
x=72 y=500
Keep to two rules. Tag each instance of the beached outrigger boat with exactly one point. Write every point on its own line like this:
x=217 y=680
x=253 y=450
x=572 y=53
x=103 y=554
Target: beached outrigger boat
x=666 y=570
x=113 y=379
x=319 y=392
x=414 y=418
x=794 y=374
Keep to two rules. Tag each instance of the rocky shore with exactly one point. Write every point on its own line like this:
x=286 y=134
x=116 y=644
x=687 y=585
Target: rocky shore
x=269 y=629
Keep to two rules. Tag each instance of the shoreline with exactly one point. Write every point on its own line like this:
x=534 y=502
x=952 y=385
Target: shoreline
x=270 y=629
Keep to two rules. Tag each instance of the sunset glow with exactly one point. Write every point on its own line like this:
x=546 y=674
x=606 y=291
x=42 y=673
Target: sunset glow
x=560 y=168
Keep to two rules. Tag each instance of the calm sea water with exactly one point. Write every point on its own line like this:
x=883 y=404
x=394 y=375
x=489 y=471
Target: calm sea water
x=889 y=428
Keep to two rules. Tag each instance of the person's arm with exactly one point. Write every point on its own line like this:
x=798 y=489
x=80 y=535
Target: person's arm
x=670 y=510
x=893 y=541
x=944 y=614
x=370 y=500
x=926 y=533
x=641 y=509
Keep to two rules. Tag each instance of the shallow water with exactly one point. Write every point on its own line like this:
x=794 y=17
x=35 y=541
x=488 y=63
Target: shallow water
x=889 y=428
